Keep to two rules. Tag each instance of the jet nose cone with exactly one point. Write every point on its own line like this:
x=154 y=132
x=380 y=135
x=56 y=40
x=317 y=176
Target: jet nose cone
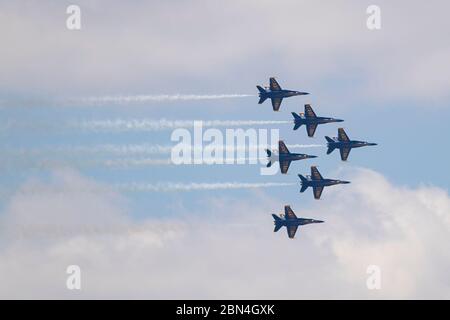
x=373 y=144
x=319 y=221
x=345 y=182
x=339 y=120
x=311 y=157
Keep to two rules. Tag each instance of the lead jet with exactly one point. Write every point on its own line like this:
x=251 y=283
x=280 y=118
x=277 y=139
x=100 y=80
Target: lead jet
x=285 y=157
x=290 y=221
x=310 y=120
x=276 y=94
x=317 y=182
x=344 y=144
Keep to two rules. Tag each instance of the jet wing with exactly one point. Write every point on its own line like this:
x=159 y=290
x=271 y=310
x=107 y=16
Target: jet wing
x=282 y=149
x=311 y=129
x=276 y=103
x=342 y=136
x=344 y=153
x=284 y=166
x=274 y=86
x=317 y=192
x=315 y=174
x=309 y=112
x=291 y=230
x=262 y=99
x=288 y=213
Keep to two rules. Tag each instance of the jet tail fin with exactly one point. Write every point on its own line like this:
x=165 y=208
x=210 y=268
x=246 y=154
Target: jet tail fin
x=330 y=150
x=296 y=117
x=277 y=227
x=269 y=155
x=330 y=147
x=262 y=94
x=304 y=183
x=276 y=218
x=261 y=90
x=278 y=223
x=304 y=180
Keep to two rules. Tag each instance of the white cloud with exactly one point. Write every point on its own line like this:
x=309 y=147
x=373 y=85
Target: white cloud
x=172 y=46
x=226 y=249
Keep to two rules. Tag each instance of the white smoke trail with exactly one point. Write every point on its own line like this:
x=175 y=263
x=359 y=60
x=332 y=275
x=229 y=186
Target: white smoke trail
x=173 y=187
x=294 y=146
x=121 y=99
x=142 y=162
x=147 y=187
x=50 y=164
x=131 y=149
x=127 y=163
x=118 y=150
x=124 y=125
x=159 y=149
x=163 y=124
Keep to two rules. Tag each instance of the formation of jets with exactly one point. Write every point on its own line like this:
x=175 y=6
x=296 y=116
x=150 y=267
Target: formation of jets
x=285 y=157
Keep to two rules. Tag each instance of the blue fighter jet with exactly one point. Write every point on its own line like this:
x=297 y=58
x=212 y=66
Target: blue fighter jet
x=276 y=94
x=317 y=183
x=344 y=144
x=285 y=157
x=310 y=120
x=290 y=221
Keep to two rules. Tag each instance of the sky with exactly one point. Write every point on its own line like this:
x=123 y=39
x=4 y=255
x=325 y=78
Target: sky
x=103 y=197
